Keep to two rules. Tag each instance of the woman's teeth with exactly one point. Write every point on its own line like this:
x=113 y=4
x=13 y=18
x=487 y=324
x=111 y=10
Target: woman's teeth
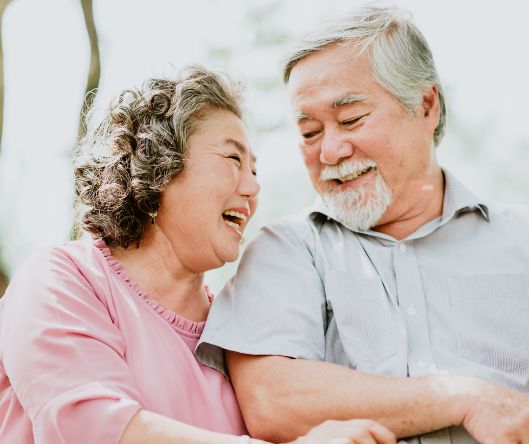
x=232 y=224
x=235 y=214
x=234 y=218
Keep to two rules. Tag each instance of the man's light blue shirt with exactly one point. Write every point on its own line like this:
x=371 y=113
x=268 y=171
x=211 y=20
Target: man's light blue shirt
x=451 y=298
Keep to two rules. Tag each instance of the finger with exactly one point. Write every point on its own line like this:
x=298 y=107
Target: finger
x=382 y=434
x=339 y=441
x=364 y=438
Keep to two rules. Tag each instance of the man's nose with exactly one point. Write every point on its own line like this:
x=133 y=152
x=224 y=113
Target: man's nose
x=334 y=149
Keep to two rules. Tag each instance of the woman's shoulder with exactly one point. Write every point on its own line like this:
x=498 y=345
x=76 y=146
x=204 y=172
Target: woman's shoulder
x=53 y=269
x=80 y=255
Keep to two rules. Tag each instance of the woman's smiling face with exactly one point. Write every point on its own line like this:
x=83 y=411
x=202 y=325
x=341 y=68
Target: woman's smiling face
x=204 y=211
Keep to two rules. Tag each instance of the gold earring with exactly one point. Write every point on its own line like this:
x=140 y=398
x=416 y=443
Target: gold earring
x=153 y=216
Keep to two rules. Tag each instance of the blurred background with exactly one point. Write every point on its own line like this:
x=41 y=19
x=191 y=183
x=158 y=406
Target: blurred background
x=54 y=51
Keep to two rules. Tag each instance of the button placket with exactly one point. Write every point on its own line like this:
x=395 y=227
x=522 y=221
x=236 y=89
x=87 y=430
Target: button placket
x=412 y=305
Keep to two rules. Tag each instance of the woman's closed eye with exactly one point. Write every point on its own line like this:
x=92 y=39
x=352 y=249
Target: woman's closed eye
x=236 y=158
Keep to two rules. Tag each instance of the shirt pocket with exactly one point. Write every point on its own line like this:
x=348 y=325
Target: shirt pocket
x=490 y=315
x=360 y=308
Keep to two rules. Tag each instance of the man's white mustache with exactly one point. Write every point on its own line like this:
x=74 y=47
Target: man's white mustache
x=346 y=168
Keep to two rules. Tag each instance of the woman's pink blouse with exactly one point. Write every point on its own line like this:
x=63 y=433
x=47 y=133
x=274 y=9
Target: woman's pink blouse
x=82 y=349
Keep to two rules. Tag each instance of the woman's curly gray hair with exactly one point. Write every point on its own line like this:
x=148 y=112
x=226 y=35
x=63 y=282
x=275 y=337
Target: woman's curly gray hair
x=124 y=164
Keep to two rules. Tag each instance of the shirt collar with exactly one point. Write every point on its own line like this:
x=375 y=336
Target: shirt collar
x=458 y=199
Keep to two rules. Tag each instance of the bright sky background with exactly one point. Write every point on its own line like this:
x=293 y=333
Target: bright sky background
x=480 y=48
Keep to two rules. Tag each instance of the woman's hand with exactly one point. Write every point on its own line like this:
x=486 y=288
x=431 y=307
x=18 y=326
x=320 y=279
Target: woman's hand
x=355 y=431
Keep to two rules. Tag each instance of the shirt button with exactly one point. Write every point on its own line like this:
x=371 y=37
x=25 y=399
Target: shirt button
x=402 y=247
x=411 y=310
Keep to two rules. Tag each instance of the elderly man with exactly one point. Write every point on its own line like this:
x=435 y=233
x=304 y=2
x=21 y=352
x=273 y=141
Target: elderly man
x=401 y=296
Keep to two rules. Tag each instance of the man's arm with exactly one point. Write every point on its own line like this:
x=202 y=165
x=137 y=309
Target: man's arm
x=282 y=397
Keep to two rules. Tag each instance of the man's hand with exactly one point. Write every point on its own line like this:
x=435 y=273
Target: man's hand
x=497 y=415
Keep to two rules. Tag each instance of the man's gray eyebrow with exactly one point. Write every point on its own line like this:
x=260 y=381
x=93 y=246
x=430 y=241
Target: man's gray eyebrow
x=348 y=99
x=301 y=116
x=241 y=148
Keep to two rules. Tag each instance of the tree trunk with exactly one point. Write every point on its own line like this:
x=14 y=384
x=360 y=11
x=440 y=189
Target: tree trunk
x=3 y=283
x=95 y=68
x=92 y=82
x=3 y=6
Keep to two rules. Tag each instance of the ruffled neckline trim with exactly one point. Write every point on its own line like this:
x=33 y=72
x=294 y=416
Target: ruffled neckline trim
x=179 y=323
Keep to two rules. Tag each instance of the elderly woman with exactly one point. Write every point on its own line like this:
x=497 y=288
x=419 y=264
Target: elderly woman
x=97 y=337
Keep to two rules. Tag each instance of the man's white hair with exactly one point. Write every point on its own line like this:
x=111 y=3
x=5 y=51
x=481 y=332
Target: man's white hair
x=402 y=62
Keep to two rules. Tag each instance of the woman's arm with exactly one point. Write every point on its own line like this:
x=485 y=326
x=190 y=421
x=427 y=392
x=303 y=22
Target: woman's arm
x=63 y=355
x=147 y=427
x=65 y=359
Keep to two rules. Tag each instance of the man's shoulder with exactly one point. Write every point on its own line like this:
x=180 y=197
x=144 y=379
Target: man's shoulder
x=296 y=231
x=297 y=225
x=508 y=222
x=510 y=213
x=497 y=213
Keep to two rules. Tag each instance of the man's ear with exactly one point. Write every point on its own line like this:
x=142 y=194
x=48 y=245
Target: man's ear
x=430 y=102
x=431 y=108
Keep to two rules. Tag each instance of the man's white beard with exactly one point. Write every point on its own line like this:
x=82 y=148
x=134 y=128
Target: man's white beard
x=359 y=209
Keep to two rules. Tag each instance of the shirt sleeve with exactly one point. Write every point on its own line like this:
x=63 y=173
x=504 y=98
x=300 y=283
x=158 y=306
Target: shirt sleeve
x=64 y=356
x=274 y=305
